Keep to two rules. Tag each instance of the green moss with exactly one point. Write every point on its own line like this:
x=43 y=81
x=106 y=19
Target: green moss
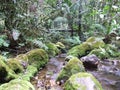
x=112 y=50
x=95 y=42
x=52 y=49
x=79 y=50
x=84 y=48
x=82 y=81
x=6 y=73
x=73 y=66
x=30 y=72
x=17 y=84
x=37 y=57
x=15 y=65
x=22 y=57
x=100 y=53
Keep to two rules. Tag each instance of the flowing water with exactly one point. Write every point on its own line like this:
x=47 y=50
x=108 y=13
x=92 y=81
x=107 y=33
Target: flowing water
x=45 y=79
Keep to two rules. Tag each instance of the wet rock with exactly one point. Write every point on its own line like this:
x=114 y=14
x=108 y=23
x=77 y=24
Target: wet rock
x=117 y=85
x=110 y=66
x=82 y=81
x=90 y=61
x=72 y=67
x=17 y=84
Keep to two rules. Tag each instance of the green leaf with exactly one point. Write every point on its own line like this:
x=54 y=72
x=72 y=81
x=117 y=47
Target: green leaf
x=5 y=44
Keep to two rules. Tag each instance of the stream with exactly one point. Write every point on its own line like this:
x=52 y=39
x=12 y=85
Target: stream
x=108 y=75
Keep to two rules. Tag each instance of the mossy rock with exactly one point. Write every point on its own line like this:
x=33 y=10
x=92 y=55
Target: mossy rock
x=79 y=50
x=37 y=58
x=17 y=84
x=6 y=73
x=22 y=57
x=95 y=42
x=52 y=49
x=30 y=72
x=15 y=65
x=72 y=67
x=84 y=48
x=82 y=81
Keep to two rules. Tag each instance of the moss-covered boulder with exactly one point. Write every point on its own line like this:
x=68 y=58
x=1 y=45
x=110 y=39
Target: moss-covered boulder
x=6 y=73
x=17 y=84
x=15 y=65
x=82 y=81
x=37 y=57
x=79 y=50
x=52 y=49
x=95 y=42
x=72 y=67
x=22 y=57
x=30 y=72
x=84 y=48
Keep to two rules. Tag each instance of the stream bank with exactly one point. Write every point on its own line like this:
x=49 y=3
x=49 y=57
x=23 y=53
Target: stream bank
x=45 y=78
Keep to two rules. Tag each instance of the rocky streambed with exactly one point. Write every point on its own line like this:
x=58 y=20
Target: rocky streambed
x=46 y=77
x=108 y=74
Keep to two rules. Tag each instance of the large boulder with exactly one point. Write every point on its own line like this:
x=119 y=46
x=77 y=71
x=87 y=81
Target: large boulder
x=90 y=61
x=6 y=73
x=95 y=42
x=17 y=84
x=37 y=58
x=82 y=81
x=72 y=67
x=84 y=48
x=79 y=50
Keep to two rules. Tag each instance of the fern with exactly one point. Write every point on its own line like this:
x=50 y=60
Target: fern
x=3 y=41
x=40 y=44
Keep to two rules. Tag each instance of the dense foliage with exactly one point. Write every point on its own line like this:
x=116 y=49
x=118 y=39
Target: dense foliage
x=29 y=22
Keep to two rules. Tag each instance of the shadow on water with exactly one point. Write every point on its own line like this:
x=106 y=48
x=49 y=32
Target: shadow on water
x=108 y=76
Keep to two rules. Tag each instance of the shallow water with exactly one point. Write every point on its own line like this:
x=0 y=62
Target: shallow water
x=45 y=79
